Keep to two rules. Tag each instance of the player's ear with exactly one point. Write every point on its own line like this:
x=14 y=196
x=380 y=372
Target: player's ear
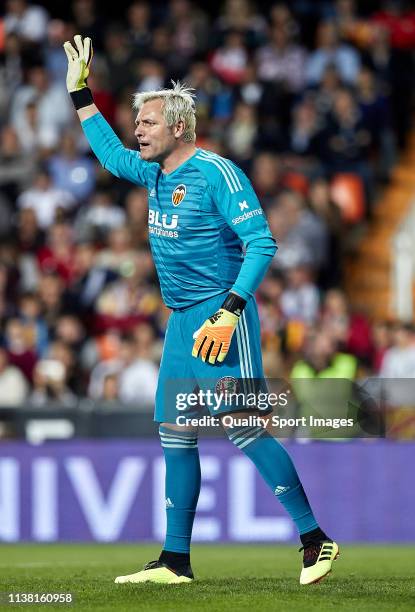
x=179 y=129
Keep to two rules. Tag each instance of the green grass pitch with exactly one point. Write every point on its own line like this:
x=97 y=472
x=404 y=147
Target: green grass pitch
x=230 y=578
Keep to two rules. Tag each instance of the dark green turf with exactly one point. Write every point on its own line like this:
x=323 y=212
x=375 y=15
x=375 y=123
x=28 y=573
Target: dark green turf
x=230 y=578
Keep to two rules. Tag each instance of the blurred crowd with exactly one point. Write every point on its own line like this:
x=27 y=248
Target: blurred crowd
x=312 y=99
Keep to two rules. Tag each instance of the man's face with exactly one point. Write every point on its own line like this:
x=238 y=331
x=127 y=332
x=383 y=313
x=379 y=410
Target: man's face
x=155 y=138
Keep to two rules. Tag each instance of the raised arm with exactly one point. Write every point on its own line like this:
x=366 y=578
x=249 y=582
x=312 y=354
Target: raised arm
x=106 y=145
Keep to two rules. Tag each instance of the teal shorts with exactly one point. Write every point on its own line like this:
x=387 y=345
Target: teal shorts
x=182 y=376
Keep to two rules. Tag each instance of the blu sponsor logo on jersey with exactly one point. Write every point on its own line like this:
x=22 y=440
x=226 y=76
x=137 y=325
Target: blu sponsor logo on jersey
x=161 y=224
x=178 y=194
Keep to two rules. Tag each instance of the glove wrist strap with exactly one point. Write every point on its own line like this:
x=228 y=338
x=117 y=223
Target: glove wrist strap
x=82 y=97
x=234 y=304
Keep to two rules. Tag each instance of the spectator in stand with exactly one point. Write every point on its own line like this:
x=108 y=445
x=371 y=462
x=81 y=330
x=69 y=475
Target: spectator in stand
x=150 y=74
x=53 y=108
x=53 y=298
x=240 y=15
x=57 y=255
x=28 y=235
x=347 y=142
x=229 y=61
x=272 y=322
x=273 y=104
x=132 y=298
x=49 y=385
x=119 y=253
x=11 y=70
x=88 y=21
x=37 y=138
x=20 y=342
x=70 y=331
x=398 y=367
x=9 y=276
x=350 y=330
x=139 y=26
x=266 y=177
x=351 y=27
x=16 y=167
x=47 y=201
x=148 y=346
x=282 y=61
x=88 y=281
x=138 y=377
x=390 y=55
x=302 y=235
x=399 y=360
x=321 y=204
x=322 y=359
x=111 y=390
x=57 y=33
x=241 y=134
x=300 y=299
x=325 y=93
x=27 y=20
x=331 y=51
x=100 y=218
x=14 y=387
x=30 y=314
x=71 y=171
x=59 y=350
x=190 y=27
x=100 y=83
x=382 y=341
x=119 y=58
x=304 y=138
x=376 y=115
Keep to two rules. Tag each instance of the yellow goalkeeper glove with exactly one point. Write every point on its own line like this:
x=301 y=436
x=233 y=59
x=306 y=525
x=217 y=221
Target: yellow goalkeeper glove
x=79 y=61
x=213 y=339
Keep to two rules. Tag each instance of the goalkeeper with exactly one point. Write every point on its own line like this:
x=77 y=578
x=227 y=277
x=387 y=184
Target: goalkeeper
x=202 y=212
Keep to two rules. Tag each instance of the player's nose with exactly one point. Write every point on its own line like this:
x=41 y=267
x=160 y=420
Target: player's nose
x=139 y=132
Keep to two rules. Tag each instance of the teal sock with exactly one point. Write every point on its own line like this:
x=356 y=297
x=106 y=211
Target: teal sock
x=182 y=486
x=277 y=469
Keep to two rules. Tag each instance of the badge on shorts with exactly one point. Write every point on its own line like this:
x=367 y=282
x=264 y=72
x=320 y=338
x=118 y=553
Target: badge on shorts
x=227 y=385
x=178 y=194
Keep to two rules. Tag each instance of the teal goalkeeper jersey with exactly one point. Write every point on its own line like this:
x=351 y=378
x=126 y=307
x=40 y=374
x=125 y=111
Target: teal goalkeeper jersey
x=200 y=217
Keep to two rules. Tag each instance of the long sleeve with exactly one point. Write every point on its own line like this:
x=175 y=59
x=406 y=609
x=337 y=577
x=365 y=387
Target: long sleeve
x=123 y=163
x=237 y=202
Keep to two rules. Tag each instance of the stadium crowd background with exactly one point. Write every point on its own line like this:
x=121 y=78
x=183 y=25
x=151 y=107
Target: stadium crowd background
x=299 y=96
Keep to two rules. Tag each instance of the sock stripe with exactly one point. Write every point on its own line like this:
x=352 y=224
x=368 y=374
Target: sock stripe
x=185 y=440
x=252 y=438
x=178 y=445
x=242 y=431
x=164 y=431
x=183 y=443
x=248 y=437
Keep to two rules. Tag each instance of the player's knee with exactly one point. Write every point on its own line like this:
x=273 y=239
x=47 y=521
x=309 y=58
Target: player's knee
x=173 y=436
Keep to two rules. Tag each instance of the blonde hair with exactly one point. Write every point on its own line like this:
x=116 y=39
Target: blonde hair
x=178 y=105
